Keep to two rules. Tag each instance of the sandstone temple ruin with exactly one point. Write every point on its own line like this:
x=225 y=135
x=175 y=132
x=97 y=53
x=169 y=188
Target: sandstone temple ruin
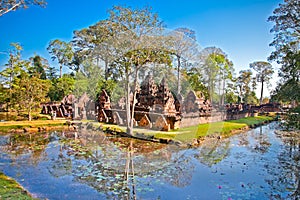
x=155 y=107
x=71 y=107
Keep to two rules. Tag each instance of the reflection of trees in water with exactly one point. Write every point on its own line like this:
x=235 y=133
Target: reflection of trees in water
x=61 y=165
x=133 y=168
x=213 y=150
x=283 y=172
x=261 y=140
x=117 y=167
x=243 y=139
x=120 y=167
x=31 y=144
x=287 y=170
x=256 y=140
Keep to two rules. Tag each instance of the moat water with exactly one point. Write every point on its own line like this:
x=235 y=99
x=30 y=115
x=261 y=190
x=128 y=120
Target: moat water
x=263 y=163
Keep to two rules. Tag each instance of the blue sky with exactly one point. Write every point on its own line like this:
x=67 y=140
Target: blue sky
x=238 y=27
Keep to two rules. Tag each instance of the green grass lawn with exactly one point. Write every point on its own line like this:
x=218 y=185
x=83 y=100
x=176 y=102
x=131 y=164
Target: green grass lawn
x=7 y=126
x=252 y=120
x=183 y=134
x=224 y=128
x=10 y=189
x=187 y=134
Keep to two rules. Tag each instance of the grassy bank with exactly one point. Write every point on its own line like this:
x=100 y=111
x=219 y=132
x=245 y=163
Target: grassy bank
x=10 y=189
x=8 y=126
x=223 y=128
x=188 y=134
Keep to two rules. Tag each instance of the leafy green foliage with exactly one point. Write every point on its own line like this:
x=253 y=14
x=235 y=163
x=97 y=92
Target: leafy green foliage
x=39 y=66
x=286 y=42
x=29 y=92
x=195 y=78
x=287 y=91
x=286 y=30
x=243 y=84
x=250 y=98
x=218 y=72
x=62 y=51
x=24 y=88
x=89 y=80
x=264 y=74
x=293 y=119
x=61 y=87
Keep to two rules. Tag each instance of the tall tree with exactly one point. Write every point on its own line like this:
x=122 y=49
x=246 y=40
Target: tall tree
x=89 y=80
x=39 y=66
x=286 y=30
x=29 y=92
x=51 y=73
x=26 y=89
x=12 y=70
x=136 y=42
x=12 y=5
x=216 y=68
x=264 y=72
x=62 y=51
x=243 y=82
x=184 y=47
x=60 y=87
x=94 y=43
x=195 y=79
x=3 y=94
x=225 y=76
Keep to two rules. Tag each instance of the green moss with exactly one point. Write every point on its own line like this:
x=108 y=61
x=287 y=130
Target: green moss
x=10 y=189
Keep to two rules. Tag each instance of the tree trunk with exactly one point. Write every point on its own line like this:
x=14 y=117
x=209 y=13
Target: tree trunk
x=29 y=115
x=261 y=92
x=223 y=92
x=241 y=95
x=220 y=98
x=106 y=70
x=60 y=71
x=133 y=100
x=128 y=118
x=211 y=91
x=178 y=75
